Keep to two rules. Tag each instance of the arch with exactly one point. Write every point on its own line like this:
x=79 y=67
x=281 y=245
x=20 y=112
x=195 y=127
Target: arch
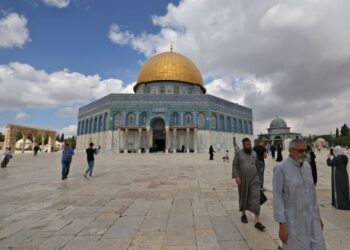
x=228 y=124
x=99 y=128
x=143 y=119
x=117 y=119
x=105 y=122
x=91 y=125
x=188 y=119
x=201 y=120
x=245 y=127
x=213 y=121
x=240 y=126
x=234 y=125
x=130 y=119
x=222 y=123
x=157 y=125
x=86 y=126
x=95 y=124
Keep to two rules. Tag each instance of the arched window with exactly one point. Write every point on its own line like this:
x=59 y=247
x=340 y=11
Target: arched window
x=240 y=126
x=175 y=118
x=245 y=127
x=222 y=123
x=188 y=119
x=130 y=119
x=234 y=125
x=99 y=123
x=95 y=124
x=105 y=121
x=147 y=90
x=143 y=118
x=86 y=126
x=91 y=125
x=118 y=120
x=213 y=121
x=228 y=124
x=201 y=120
x=176 y=89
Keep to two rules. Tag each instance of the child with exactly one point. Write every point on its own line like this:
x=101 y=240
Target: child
x=226 y=158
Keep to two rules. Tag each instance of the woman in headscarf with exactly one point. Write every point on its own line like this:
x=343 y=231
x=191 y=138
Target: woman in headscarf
x=279 y=153
x=340 y=180
x=311 y=159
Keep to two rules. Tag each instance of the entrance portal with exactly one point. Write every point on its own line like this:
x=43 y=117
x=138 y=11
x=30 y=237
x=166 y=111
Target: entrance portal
x=158 y=127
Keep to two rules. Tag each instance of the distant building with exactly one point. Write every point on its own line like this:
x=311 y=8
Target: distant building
x=169 y=112
x=279 y=133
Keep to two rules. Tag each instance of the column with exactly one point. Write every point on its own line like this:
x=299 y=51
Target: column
x=167 y=139
x=24 y=143
x=126 y=141
x=174 y=141
x=118 y=140
x=195 y=138
x=187 y=140
x=50 y=146
x=42 y=143
x=33 y=143
x=140 y=144
x=148 y=130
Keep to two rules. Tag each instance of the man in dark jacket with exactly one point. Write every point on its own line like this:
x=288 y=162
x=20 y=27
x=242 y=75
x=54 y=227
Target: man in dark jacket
x=90 y=152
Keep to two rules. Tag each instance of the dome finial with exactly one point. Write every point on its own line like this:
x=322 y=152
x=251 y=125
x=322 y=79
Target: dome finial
x=171 y=47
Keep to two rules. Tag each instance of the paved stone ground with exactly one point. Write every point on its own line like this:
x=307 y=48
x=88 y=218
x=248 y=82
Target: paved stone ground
x=157 y=201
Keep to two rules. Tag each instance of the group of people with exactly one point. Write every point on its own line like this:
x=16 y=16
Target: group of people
x=295 y=205
x=67 y=155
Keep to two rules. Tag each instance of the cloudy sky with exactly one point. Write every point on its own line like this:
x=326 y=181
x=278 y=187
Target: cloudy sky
x=281 y=58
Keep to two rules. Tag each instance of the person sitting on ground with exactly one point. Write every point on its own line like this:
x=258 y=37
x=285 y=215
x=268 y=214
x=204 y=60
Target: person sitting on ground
x=225 y=158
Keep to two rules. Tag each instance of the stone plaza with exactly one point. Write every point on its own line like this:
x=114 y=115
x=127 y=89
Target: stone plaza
x=142 y=201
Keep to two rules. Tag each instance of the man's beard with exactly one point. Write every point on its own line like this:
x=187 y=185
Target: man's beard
x=247 y=150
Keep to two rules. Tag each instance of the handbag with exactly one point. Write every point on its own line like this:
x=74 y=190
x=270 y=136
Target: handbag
x=263 y=197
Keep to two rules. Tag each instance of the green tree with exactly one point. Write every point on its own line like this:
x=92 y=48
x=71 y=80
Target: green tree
x=344 y=130
x=2 y=137
x=62 y=137
x=337 y=133
x=57 y=137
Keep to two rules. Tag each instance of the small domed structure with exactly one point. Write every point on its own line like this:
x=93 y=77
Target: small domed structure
x=278 y=123
x=279 y=133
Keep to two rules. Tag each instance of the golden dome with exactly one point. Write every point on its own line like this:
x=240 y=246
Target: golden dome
x=170 y=66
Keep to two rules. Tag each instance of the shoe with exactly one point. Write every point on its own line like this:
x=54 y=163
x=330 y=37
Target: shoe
x=260 y=226
x=85 y=175
x=244 y=219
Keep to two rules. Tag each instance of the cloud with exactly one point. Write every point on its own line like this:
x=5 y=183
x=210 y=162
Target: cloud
x=24 y=86
x=57 y=3
x=68 y=112
x=13 y=31
x=69 y=131
x=117 y=36
x=22 y=116
x=288 y=58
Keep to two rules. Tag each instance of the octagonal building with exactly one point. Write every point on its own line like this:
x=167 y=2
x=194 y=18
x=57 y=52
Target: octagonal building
x=169 y=112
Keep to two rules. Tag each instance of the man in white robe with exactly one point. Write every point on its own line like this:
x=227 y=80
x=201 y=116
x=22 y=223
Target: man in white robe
x=295 y=206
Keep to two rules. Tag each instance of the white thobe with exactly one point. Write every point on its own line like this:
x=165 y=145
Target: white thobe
x=295 y=203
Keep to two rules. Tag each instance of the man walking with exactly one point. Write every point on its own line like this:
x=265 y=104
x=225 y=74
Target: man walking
x=245 y=173
x=261 y=153
x=295 y=206
x=90 y=152
x=67 y=155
